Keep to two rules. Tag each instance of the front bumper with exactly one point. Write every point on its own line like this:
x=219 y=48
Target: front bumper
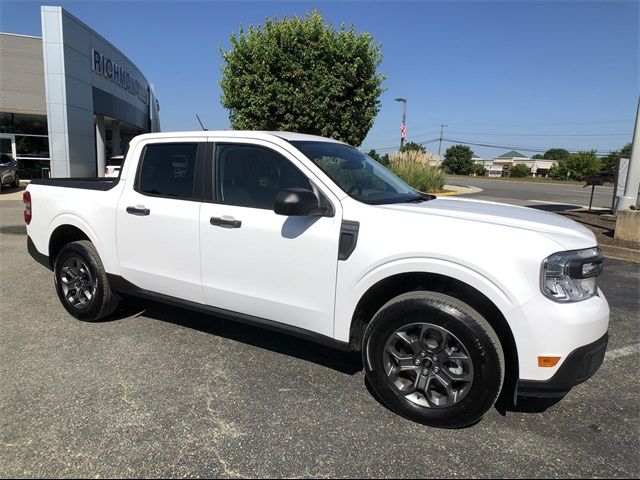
x=579 y=366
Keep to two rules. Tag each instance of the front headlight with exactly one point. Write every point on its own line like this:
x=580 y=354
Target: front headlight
x=571 y=276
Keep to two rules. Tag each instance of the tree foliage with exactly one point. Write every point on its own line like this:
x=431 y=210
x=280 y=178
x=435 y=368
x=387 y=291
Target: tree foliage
x=479 y=169
x=556 y=154
x=520 y=170
x=457 y=160
x=412 y=146
x=383 y=159
x=375 y=155
x=303 y=75
x=578 y=165
x=610 y=162
x=625 y=152
x=538 y=156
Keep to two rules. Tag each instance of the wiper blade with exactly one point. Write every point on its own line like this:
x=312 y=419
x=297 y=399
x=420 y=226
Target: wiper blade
x=390 y=201
x=418 y=199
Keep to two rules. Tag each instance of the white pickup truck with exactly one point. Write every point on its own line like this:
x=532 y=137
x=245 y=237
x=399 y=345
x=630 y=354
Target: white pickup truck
x=451 y=301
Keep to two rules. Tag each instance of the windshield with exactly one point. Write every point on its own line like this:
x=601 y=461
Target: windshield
x=358 y=175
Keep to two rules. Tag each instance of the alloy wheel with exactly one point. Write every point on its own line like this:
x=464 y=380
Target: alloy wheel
x=77 y=282
x=428 y=365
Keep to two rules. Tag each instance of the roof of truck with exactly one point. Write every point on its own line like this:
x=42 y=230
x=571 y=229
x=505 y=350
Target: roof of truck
x=288 y=136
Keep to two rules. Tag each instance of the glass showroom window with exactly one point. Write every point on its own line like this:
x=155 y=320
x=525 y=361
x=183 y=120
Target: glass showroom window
x=30 y=124
x=32 y=153
x=29 y=142
x=6 y=122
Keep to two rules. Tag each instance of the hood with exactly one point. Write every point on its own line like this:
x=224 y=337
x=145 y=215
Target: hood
x=571 y=235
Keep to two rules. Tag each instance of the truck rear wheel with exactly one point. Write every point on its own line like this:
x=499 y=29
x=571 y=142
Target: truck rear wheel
x=433 y=359
x=82 y=284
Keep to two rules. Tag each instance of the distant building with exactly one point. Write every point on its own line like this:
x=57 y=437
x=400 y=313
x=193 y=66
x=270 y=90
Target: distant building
x=69 y=99
x=485 y=162
x=501 y=166
x=433 y=159
x=507 y=160
x=541 y=167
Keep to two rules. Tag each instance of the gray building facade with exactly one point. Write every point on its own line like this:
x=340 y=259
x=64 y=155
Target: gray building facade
x=88 y=97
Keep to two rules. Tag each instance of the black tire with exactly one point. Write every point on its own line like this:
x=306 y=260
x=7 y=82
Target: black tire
x=16 y=181
x=102 y=301
x=467 y=331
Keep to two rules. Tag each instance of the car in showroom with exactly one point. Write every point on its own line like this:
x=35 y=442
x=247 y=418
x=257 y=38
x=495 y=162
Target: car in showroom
x=9 y=175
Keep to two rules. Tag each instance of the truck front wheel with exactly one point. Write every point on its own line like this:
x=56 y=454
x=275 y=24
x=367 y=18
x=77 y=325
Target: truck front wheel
x=82 y=284
x=433 y=359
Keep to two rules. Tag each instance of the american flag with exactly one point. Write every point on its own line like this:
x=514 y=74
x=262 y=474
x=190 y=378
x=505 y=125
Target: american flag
x=403 y=131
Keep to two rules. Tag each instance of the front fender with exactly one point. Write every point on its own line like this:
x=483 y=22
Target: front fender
x=349 y=292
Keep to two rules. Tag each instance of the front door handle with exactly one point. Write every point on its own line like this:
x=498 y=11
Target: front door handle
x=138 y=211
x=224 y=222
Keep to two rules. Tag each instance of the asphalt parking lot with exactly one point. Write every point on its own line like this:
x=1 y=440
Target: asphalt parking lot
x=157 y=391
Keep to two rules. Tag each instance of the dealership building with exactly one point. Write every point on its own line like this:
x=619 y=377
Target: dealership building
x=69 y=100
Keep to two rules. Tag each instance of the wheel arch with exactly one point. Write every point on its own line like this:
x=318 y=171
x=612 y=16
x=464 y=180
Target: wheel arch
x=388 y=288
x=63 y=235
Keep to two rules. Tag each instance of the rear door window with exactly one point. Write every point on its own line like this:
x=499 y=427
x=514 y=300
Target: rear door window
x=168 y=170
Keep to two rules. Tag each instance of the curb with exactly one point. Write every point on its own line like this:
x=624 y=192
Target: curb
x=458 y=190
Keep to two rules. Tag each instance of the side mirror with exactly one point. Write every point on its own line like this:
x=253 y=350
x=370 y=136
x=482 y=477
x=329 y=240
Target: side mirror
x=295 y=202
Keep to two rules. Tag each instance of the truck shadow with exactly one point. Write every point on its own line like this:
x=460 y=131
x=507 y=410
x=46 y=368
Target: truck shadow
x=559 y=207
x=348 y=363
x=526 y=405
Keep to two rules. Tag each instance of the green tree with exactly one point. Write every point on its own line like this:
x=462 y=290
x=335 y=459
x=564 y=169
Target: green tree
x=303 y=75
x=625 y=152
x=556 y=154
x=375 y=155
x=479 y=169
x=383 y=159
x=457 y=160
x=610 y=162
x=520 y=170
x=538 y=156
x=579 y=165
x=412 y=146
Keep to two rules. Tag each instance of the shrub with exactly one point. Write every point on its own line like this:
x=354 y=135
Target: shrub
x=412 y=166
x=578 y=165
x=478 y=169
x=520 y=170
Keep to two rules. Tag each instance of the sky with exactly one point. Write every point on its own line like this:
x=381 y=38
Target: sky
x=527 y=74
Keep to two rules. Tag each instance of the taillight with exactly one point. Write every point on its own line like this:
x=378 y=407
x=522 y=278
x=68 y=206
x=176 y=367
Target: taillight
x=26 y=198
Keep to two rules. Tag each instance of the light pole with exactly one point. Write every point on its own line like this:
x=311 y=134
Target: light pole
x=632 y=184
x=442 y=125
x=403 y=125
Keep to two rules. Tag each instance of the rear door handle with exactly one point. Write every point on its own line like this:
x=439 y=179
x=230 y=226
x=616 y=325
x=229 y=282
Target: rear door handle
x=224 y=222
x=138 y=211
